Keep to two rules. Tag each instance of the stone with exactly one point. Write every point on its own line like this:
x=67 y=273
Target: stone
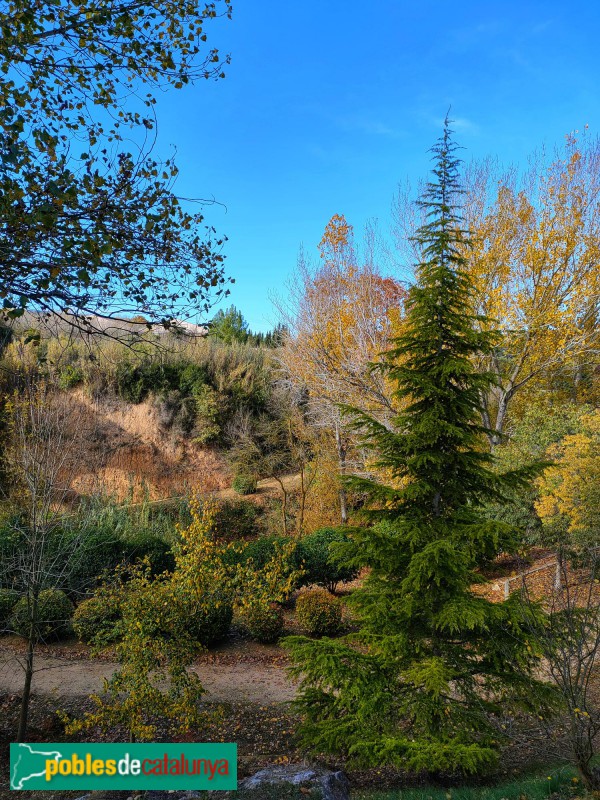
x=321 y=783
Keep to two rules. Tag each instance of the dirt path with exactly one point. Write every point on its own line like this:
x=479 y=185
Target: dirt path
x=267 y=486
x=230 y=679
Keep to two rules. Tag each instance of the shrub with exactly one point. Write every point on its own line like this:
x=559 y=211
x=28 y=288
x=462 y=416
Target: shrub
x=185 y=419
x=102 y=550
x=211 y=623
x=244 y=484
x=11 y=545
x=54 y=614
x=148 y=545
x=263 y=549
x=130 y=383
x=135 y=382
x=236 y=519
x=319 y=562
x=264 y=624
x=192 y=377
x=319 y=612
x=8 y=600
x=70 y=376
x=208 y=412
x=96 y=620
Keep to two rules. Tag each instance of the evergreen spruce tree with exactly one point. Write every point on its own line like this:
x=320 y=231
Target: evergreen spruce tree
x=433 y=661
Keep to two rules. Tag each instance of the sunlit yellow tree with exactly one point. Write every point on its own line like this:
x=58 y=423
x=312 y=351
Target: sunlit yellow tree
x=535 y=265
x=569 y=500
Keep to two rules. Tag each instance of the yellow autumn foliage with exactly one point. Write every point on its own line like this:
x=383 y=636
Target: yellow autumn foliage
x=569 y=498
x=535 y=263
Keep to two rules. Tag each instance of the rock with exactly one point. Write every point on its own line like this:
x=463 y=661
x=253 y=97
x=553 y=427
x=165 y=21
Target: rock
x=281 y=782
x=316 y=782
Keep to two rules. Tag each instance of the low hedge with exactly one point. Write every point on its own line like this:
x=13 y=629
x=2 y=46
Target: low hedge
x=263 y=549
x=264 y=624
x=319 y=612
x=244 y=484
x=318 y=559
x=96 y=621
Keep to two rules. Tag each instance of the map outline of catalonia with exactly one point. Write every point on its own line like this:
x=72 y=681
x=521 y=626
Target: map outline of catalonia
x=53 y=753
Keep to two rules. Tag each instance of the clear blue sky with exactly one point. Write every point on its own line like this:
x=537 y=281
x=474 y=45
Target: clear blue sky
x=328 y=105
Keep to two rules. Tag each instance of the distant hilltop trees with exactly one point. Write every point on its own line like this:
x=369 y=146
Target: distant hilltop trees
x=228 y=326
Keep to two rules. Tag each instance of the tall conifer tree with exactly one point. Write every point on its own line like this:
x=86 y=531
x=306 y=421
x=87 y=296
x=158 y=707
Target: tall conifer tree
x=433 y=661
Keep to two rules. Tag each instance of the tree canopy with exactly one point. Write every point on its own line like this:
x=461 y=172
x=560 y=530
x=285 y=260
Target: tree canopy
x=229 y=326
x=534 y=267
x=89 y=220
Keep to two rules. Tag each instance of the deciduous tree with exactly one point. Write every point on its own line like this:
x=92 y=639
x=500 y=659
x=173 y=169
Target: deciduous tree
x=569 y=490
x=534 y=266
x=568 y=637
x=340 y=316
x=89 y=220
x=533 y=261
x=43 y=438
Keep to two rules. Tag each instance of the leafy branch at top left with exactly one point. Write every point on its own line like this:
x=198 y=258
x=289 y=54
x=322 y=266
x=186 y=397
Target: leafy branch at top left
x=89 y=220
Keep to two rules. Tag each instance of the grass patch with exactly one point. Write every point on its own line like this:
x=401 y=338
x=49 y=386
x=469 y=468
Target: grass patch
x=563 y=782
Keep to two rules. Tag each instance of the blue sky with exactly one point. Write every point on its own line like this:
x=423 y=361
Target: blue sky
x=328 y=105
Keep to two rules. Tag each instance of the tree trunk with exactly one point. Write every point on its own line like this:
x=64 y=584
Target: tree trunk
x=341 y=451
x=343 y=506
x=584 y=753
x=22 y=732
x=503 y=402
x=558 y=572
x=504 y=398
x=284 y=499
x=303 y=492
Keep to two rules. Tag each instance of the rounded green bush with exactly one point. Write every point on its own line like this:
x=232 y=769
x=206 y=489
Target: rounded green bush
x=263 y=549
x=192 y=377
x=315 y=554
x=54 y=612
x=96 y=621
x=148 y=545
x=134 y=382
x=264 y=624
x=244 y=484
x=210 y=623
x=8 y=600
x=319 y=612
x=100 y=553
x=130 y=384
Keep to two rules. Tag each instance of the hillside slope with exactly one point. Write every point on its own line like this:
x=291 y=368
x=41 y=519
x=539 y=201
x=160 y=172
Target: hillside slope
x=126 y=453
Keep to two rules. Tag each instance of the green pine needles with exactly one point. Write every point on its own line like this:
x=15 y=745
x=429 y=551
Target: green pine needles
x=433 y=662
